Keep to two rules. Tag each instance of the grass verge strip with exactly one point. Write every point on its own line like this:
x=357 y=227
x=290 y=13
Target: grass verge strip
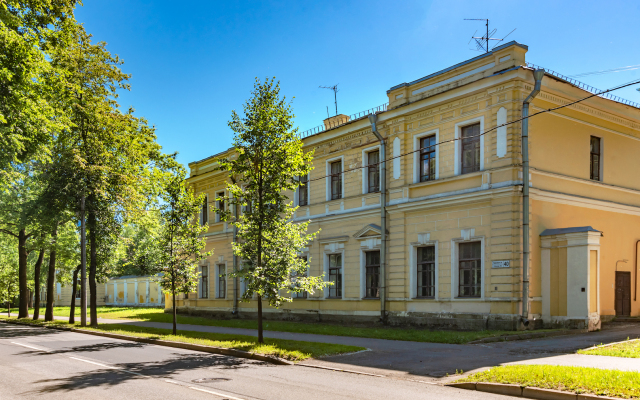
x=391 y=333
x=291 y=350
x=628 y=349
x=581 y=380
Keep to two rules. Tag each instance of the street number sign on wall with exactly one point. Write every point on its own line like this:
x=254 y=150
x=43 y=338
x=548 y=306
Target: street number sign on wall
x=501 y=264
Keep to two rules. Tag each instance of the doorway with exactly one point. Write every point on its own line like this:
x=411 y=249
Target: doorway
x=623 y=293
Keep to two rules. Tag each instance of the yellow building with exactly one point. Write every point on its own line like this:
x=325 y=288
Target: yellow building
x=454 y=206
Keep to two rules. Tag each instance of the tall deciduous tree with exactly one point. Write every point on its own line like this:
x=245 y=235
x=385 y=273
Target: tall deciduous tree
x=269 y=162
x=28 y=30
x=181 y=242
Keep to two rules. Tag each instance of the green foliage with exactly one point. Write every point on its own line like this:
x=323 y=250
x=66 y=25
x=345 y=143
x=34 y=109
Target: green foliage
x=601 y=382
x=8 y=269
x=628 y=349
x=138 y=252
x=29 y=29
x=180 y=242
x=269 y=159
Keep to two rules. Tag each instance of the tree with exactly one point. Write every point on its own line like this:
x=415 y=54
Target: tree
x=106 y=156
x=269 y=162
x=180 y=241
x=8 y=272
x=28 y=30
x=18 y=219
x=138 y=253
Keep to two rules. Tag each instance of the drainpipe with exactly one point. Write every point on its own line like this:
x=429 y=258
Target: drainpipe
x=538 y=74
x=635 y=274
x=235 y=261
x=383 y=216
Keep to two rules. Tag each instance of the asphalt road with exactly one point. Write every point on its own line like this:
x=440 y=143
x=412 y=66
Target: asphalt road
x=38 y=363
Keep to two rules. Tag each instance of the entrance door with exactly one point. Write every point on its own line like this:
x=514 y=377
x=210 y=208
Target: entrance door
x=623 y=293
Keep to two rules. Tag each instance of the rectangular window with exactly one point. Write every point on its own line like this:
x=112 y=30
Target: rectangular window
x=303 y=294
x=204 y=282
x=222 y=282
x=426 y=272
x=335 y=275
x=372 y=278
x=336 y=180
x=205 y=212
x=428 y=158
x=469 y=269
x=303 y=191
x=373 y=171
x=219 y=205
x=595 y=158
x=470 y=148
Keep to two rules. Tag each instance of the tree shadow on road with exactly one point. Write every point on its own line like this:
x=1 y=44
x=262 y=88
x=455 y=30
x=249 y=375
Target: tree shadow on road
x=108 y=378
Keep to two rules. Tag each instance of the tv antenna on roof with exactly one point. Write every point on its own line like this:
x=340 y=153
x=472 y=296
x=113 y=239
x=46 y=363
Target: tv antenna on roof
x=335 y=94
x=482 y=42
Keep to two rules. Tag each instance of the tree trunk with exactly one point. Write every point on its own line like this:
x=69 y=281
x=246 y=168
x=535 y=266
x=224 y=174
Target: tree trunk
x=260 y=337
x=93 y=296
x=36 y=280
x=51 y=276
x=23 y=306
x=74 y=293
x=175 y=314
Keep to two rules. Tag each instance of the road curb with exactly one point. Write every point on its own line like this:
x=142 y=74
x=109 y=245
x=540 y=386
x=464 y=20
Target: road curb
x=601 y=346
x=525 y=336
x=168 y=343
x=527 y=392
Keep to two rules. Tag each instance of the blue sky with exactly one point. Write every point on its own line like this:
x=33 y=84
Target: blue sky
x=193 y=62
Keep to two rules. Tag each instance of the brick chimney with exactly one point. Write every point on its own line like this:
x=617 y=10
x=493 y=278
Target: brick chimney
x=338 y=120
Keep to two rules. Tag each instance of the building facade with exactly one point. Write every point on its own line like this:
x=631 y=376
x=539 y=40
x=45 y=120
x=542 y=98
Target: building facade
x=454 y=243
x=127 y=291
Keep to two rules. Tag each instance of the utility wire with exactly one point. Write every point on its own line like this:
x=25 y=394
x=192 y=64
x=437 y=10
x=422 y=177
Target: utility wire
x=481 y=134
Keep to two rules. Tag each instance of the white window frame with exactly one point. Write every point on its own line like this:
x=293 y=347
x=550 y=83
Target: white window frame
x=454 y=267
x=601 y=167
x=206 y=200
x=416 y=153
x=326 y=274
x=365 y=169
x=458 y=143
x=413 y=269
x=221 y=268
x=296 y=200
x=200 y=280
x=363 y=268
x=218 y=216
x=328 y=178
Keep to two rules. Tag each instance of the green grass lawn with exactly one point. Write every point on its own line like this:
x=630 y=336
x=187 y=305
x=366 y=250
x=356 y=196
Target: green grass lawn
x=391 y=333
x=601 y=382
x=288 y=349
x=628 y=349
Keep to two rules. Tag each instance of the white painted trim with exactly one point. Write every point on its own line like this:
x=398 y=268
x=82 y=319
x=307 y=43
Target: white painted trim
x=328 y=178
x=458 y=143
x=218 y=267
x=365 y=170
x=413 y=266
x=454 y=265
x=218 y=216
x=333 y=248
x=366 y=245
x=416 y=154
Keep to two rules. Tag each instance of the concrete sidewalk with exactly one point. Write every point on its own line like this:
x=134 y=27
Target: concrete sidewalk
x=425 y=361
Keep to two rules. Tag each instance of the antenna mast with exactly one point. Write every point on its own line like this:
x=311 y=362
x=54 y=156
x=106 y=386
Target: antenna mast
x=482 y=42
x=335 y=94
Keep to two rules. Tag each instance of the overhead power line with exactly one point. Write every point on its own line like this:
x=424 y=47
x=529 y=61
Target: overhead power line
x=485 y=132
